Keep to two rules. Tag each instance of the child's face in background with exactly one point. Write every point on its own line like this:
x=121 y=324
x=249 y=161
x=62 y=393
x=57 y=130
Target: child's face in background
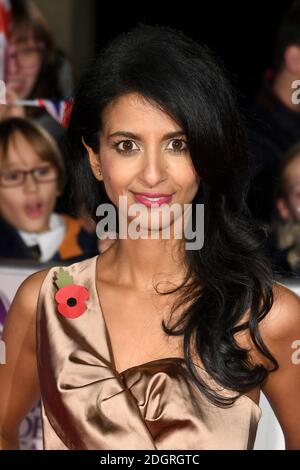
x=289 y=207
x=26 y=207
x=23 y=67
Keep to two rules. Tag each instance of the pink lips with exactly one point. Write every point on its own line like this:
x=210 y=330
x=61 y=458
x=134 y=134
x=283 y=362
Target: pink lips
x=153 y=199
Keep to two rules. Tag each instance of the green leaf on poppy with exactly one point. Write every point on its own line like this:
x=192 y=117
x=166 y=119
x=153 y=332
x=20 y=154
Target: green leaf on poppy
x=63 y=278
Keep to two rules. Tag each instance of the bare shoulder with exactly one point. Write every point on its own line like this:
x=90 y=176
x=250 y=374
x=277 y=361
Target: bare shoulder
x=35 y=280
x=26 y=297
x=278 y=329
x=30 y=287
x=283 y=319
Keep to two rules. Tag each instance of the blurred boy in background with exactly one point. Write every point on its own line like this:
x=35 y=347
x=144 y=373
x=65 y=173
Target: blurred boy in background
x=31 y=179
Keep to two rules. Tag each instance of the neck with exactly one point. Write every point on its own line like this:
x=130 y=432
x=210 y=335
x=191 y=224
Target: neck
x=282 y=89
x=137 y=263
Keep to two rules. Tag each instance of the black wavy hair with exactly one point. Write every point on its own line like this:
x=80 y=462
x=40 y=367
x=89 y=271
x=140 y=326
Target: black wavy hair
x=230 y=276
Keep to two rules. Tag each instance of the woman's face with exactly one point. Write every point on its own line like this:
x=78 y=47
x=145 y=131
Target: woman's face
x=27 y=207
x=143 y=150
x=23 y=66
x=289 y=207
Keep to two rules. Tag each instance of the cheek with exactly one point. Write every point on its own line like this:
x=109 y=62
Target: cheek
x=10 y=202
x=49 y=192
x=188 y=179
x=31 y=78
x=294 y=202
x=116 y=177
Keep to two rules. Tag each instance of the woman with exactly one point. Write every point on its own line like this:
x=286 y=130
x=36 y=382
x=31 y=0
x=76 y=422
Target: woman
x=35 y=67
x=123 y=360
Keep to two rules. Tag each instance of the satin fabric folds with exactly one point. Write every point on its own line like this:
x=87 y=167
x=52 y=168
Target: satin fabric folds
x=87 y=404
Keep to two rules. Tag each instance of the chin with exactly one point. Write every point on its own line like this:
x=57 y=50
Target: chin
x=33 y=227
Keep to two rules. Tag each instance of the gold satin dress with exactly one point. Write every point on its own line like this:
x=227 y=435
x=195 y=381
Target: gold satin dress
x=87 y=404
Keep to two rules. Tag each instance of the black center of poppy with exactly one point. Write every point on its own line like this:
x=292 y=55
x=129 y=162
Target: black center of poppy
x=71 y=302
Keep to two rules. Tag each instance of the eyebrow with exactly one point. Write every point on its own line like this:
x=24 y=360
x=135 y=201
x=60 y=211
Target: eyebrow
x=131 y=135
x=16 y=166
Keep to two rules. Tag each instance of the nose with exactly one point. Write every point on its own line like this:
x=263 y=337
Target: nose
x=30 y=185
x=154 y=169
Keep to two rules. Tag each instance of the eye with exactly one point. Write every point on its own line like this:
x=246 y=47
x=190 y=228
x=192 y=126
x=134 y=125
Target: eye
x=177 y=145
x=126 y=146
x=42 y=171
x=11 y=175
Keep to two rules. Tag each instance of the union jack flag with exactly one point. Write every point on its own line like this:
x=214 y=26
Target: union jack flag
x=59 y=109
x=5 y=25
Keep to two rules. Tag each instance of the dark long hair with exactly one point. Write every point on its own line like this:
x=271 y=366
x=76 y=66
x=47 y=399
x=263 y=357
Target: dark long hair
x=186 y=81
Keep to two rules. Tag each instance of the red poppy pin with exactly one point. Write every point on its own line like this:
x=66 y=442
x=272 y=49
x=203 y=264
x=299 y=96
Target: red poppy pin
x=70 y=297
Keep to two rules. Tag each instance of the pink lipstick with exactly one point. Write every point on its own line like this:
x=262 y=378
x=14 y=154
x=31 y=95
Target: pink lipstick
x=152 y=199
